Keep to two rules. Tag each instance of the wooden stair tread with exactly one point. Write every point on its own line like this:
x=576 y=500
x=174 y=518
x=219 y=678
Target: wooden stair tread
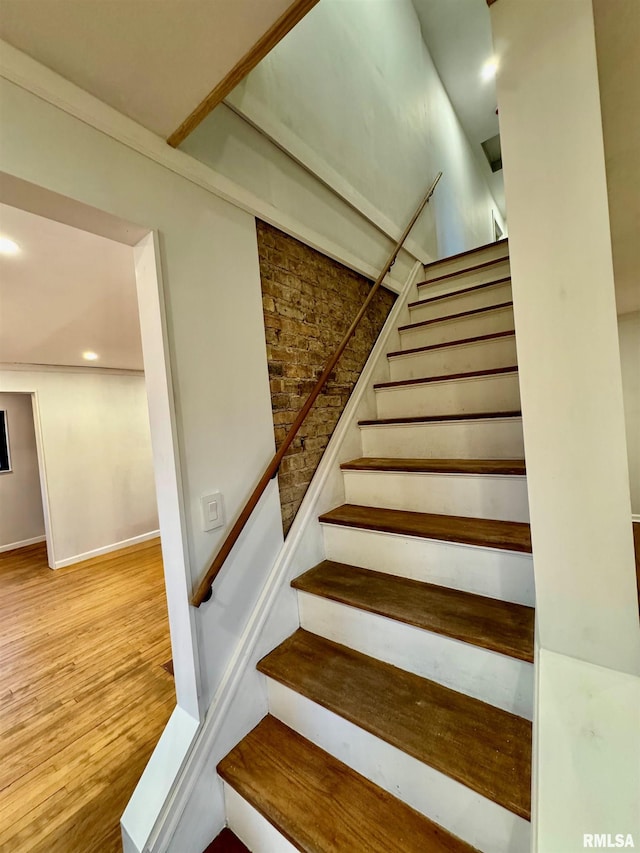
x=476 y=339
x=506 y=467
x=428 y=419
x=226 y=842
x=473 y=268
x=485 y=622
x=481 y=746
x=481 y=248
x=450 y=317
x=484 y=532
x=320 y=804
x=463 y=291
x=448 y=377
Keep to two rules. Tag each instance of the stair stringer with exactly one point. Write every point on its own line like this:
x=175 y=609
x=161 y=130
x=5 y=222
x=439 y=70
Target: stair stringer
x=240 y=702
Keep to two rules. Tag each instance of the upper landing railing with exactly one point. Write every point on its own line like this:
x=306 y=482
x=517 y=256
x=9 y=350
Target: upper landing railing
x=204 y=590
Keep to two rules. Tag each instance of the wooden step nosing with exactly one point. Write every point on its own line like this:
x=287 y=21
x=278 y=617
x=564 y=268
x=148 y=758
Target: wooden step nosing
x=467 y=252
x=463 y=342
x=420 y=303
x=367 y=724
x=477 y=821
x=390 y=529
x=453 y=377
x=486 y=643
x=370 y=729
x=399 y=465
x=448 y=634
x=502 y=306
x=466 y=271
x=441 y=419
x=434 y=472
x=276 y=814
x=406 y=535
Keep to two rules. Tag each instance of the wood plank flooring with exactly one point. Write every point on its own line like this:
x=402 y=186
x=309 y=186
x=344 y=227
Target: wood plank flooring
x=83 y=694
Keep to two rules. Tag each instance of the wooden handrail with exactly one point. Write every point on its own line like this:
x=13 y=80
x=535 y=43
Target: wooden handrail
x=203 y=592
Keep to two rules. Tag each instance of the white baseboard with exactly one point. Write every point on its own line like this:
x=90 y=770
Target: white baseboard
x=635 y=518
x=12 y=546
x=106 y=549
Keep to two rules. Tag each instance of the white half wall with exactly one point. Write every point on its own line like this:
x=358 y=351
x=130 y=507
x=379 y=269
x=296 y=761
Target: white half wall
x=588 y=746
x=96 y=451
x=566 y=331
x=585 y=778
x=629 y=336
x=215 y=331
x=352 y=93
x=21 y=518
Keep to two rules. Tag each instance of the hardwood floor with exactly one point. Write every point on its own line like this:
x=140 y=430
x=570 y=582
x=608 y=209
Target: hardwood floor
x=83 y=694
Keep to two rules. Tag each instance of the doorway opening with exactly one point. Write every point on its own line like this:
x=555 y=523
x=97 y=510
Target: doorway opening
x=91 y=661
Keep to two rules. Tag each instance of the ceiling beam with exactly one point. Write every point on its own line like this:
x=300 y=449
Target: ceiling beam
x=296 y=11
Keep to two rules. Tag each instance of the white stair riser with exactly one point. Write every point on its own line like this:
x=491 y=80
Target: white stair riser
x=494 y=438
x=486 y=323
x=462 y=265
x=456 y=303
x=252 y=829
x=493 y=393
x=470 y=816
x=489 y=676
x=505 y=575
x=481 y=355
x=477 y=495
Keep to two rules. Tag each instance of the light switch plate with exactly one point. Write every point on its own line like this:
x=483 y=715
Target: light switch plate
x=212 y=509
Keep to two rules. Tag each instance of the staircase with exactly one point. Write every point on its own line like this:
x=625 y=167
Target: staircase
x=400 y=710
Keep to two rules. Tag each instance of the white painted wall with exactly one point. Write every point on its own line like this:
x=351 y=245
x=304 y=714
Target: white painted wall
x=629 y=334
x=62 y=139
x=588 y=735
x=566 y=331
x=234 y=148
x=353 y=94
x=213 y=307
x=21 y=519
x=96 y=451
x=586 y=719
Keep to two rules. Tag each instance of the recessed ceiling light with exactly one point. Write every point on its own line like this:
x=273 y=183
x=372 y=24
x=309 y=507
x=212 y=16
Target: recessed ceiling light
x=90 y=356
x=489 y=69
x=8 y=247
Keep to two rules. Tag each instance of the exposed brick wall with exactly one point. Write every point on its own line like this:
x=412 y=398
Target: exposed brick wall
x=309 y=302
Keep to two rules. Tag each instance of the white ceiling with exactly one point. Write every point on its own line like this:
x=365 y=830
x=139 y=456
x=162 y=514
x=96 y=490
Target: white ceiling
x=67 y=291
x=458 y=35
x=153 y=60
